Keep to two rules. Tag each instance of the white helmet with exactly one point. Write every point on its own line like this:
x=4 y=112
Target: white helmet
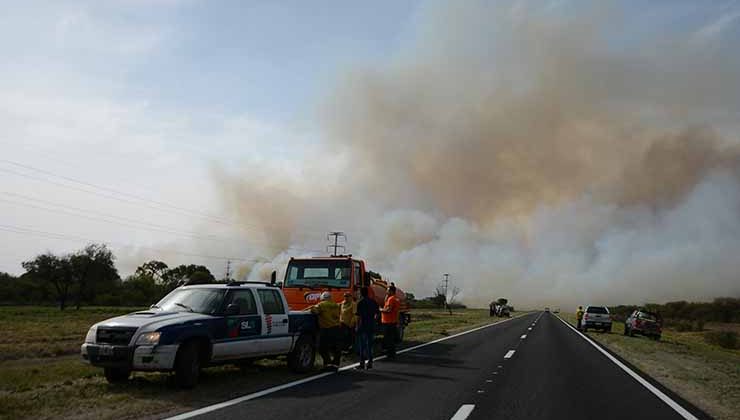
x=326 y=296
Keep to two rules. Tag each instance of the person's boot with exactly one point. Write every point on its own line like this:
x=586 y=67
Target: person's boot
x=361 y=366
x=369 y=364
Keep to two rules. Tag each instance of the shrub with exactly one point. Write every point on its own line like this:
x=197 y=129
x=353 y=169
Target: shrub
x=683 y=325
x=724 y=339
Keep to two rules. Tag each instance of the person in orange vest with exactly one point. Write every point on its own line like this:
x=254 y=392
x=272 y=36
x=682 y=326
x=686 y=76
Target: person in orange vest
x=389 y=319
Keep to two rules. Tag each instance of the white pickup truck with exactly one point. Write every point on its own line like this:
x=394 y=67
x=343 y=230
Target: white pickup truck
x=197 y=326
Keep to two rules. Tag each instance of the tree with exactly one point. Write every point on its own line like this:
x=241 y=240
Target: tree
x=93 y=269
x=54 y=270
x=439 y=297
x=451 y=300
x=157 y=270
x=187 y=274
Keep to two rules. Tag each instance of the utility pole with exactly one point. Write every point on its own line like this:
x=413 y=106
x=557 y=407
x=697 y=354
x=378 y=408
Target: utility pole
x=447 y=282
x=228 y=270
x=336 y=245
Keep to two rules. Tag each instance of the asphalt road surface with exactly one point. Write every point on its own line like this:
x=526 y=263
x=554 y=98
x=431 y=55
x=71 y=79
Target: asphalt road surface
x=531 y=367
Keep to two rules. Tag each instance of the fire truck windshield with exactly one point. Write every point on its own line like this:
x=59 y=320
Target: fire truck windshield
x=318 y=273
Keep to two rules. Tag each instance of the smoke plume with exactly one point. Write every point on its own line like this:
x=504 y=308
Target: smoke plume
x=530 y=153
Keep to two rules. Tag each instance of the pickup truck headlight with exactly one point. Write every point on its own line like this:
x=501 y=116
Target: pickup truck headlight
x=148 y=339
x=91 y=335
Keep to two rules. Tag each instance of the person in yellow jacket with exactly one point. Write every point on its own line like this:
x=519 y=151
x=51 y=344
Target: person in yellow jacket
x=579 y=317
x=348 y=319
x=330 y=334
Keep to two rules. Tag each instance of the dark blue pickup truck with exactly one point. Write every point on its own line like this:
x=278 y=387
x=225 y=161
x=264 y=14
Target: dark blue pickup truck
x=197 y=326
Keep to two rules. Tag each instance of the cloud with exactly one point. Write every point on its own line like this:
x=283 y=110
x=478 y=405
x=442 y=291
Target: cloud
x=714 y=29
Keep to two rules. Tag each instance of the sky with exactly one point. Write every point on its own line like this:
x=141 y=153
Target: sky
x=142 y=97
x=202 y=132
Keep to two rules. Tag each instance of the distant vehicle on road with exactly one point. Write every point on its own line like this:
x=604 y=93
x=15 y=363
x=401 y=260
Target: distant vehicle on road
x=500 y=308
x=196 y=326
x=547 y=309
x=649 y=324
x=597 y=317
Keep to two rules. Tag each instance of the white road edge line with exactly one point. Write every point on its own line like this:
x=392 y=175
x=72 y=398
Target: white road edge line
x=228 y=403
x=509 y=354
x=658 y=393
x=463 y=412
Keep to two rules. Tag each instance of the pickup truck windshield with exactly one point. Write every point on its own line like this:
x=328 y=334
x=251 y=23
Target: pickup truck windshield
x=318 y=274
x=204 y=301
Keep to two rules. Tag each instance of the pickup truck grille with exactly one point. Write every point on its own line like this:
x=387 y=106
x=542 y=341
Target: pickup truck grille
x=115 y=336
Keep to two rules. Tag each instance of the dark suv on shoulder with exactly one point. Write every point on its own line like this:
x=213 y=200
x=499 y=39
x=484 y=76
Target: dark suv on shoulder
x=642 y=322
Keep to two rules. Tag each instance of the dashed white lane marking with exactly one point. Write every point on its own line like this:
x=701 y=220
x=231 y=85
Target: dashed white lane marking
x=658 y=393
x=529 y=329
x=463 y=412
x=238 y=400
x=489 y=380
x=509 y=354
x=523 y=336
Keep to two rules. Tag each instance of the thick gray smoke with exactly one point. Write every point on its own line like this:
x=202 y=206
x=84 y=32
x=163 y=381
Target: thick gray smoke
x=548 y=159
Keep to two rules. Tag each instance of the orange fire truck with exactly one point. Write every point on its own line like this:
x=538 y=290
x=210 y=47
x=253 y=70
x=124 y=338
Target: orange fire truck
x=307 y=278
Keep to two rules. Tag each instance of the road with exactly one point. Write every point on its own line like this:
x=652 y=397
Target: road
x=531 y=367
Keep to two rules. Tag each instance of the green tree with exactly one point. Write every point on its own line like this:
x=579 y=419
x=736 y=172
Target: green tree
x=157 y=270
x=94 y=270
x=187 y=274
x=55 y=271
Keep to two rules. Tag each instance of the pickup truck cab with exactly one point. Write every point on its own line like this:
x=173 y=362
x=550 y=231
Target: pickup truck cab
x=196 y=326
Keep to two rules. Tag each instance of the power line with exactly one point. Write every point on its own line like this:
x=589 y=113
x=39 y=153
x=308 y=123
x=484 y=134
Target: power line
x=61 y=236
x=76 y=164
x=132 y=223
x=111 y=193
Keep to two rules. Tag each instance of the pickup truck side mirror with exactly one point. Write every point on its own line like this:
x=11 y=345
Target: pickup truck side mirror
x=273 y=277
x=232 y=309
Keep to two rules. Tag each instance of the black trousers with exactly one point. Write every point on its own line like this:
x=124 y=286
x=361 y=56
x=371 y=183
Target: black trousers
x=390 y=339
x=330 y=345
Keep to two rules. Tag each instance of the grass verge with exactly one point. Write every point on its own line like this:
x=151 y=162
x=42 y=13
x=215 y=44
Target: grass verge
x=704 y=374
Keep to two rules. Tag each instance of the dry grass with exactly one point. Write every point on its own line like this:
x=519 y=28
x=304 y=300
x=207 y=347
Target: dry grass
x=705 y=374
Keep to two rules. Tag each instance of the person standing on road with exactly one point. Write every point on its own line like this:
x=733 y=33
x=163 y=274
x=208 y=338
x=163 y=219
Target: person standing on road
x=367 y=314
x=389 y=319
x=579 y=317
x=348 y=319
x=330 y=334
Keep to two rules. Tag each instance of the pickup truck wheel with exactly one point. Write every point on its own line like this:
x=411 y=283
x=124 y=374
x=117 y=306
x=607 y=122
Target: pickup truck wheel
x=116 y=375
x=187 y=365
x=303 y=356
